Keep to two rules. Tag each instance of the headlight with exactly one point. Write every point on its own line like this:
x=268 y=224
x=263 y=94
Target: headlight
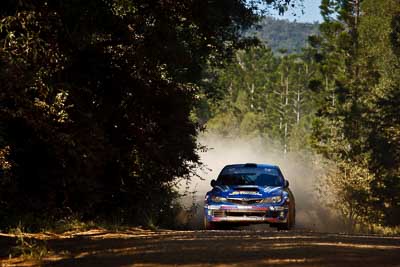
x=275 y=199
x=218 y=199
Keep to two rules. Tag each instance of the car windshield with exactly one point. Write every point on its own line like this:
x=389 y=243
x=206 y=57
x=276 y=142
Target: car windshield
x=250 y=176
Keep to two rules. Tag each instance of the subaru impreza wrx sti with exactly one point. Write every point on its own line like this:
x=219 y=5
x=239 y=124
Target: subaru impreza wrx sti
x=250 y=193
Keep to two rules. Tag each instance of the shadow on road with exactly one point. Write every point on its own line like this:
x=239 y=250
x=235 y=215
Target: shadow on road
x=253 y=248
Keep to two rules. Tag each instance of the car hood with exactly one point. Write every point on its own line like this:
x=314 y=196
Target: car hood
x=247 y=191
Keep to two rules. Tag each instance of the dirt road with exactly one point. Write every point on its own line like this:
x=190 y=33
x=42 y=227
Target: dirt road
x=210 y=248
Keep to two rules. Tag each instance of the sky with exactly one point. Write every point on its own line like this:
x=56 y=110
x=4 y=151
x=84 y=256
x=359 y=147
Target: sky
x=311 y=12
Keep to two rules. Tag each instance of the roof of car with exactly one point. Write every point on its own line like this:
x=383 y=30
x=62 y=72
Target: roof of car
x=254 y=165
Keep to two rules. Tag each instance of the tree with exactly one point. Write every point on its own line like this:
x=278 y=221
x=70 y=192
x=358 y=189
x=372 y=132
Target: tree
x=247 y=85
x=379 y=67
x=96 y=99
x=360 y=74
x=266 y=96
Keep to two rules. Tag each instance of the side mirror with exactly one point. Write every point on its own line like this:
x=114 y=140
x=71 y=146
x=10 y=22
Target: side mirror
x=213 y=183
x=286 y=184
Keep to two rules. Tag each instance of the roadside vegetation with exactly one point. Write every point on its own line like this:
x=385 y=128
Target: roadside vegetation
x=101 y=103
x=337 y=98
x=95 y=104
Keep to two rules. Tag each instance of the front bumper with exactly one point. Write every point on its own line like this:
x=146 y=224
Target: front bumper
x=246 y=213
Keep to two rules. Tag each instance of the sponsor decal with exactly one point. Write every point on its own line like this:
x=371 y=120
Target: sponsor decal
x=229 y=207
x=238 y=219
x=212 y=207
x=269 y=189
x=235 y=207
x=245 y=193
x=240 y=207
x=244 y=207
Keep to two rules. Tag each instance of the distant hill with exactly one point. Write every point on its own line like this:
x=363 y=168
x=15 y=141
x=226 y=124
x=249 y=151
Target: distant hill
x=282 y=34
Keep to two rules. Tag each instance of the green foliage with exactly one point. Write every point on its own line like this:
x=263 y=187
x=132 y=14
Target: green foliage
x=346 y=188
x=340 y=95
x=97 y=98
x=359 y=70
x=282 y=34
x=27 y=247
x=224 y=124
x=265 y=96
x=96 y=101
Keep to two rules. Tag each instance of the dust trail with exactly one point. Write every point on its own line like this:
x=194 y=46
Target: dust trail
x=301 y=168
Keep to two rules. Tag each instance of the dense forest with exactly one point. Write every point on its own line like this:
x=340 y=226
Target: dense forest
x=282 y=35
x=95 y=103
x=338 y=98
x=101 y=103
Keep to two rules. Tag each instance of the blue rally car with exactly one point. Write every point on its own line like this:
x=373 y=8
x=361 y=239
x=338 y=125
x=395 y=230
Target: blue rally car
x=250 y=193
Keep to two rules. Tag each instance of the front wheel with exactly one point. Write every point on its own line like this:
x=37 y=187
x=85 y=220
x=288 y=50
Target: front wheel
x=283 y=226
x=289 y=223
x=209 y=225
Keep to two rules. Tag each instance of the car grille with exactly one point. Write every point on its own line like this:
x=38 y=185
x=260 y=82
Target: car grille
x=272 y=214
x=219 y=213
x=238 y=213
x=245 y=201
x=245 y=213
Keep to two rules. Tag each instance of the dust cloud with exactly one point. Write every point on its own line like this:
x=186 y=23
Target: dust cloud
x=301 y=169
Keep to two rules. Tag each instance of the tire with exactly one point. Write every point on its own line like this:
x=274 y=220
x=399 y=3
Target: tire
x=209 y=225
x=290 y=221
x=273 y=225
x=283 y=226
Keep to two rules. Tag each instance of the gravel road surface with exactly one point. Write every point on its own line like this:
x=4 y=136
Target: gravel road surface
x=138 y=247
